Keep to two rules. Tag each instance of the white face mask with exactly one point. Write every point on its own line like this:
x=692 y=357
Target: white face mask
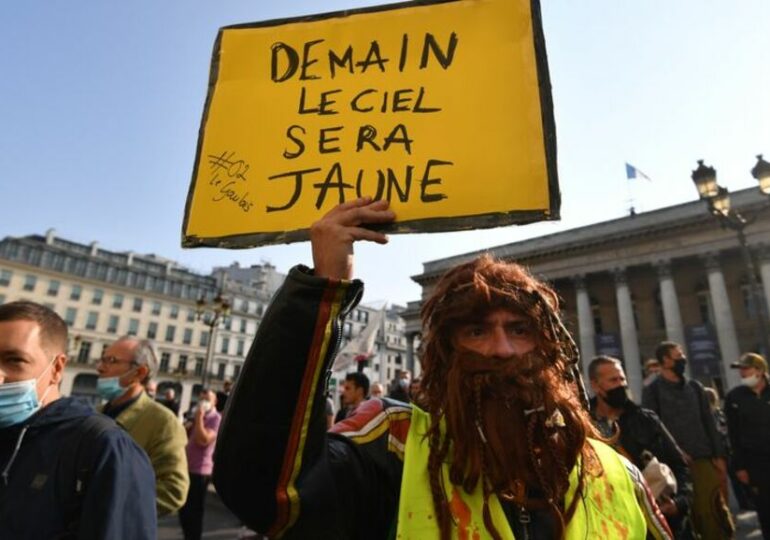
x=205 y=405
x=750 y=381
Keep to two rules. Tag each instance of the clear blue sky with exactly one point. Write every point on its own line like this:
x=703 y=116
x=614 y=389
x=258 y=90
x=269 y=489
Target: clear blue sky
x=100 y=105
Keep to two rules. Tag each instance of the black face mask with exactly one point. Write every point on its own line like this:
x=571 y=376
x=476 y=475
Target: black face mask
x=679 y=365
x=617 y=398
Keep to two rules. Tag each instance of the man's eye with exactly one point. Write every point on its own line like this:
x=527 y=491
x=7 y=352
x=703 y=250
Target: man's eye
x=475 y=331
x=519 y=330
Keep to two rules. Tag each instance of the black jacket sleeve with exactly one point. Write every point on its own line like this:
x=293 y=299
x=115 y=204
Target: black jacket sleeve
x=276 y=467
x=732 y=411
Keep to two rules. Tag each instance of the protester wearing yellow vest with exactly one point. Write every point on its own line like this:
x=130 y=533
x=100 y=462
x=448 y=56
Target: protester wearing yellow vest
x=498 y=444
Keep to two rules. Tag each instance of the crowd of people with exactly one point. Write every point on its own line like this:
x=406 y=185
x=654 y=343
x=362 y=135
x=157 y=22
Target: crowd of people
x=72 y=471
x=497 y=439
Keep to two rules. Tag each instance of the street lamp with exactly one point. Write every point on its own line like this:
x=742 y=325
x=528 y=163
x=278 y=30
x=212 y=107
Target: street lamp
x=718 y=199
x=211 y=314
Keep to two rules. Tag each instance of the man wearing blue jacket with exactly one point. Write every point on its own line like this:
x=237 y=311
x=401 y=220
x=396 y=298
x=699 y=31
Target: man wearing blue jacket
x=67 y=471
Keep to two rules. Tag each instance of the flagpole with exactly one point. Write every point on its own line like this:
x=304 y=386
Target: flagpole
x=631 y=209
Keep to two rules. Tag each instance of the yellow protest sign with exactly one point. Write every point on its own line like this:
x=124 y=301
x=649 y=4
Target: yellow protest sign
x=442 y=107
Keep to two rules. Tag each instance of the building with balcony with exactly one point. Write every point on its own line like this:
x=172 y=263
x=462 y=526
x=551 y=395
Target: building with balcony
x=104 y=294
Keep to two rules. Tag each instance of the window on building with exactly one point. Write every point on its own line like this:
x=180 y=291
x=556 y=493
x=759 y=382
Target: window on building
x=133 y=327
x=749 y=301
x=660 y=317
x=204 y=339
x=243 y=326
x=365 y=317
x=174 y=312
x=187 y=336
x=221 y=371
x=76 y=291
x=91 y=320
x=170 y=331
x=117 y=301
x=5 y=277
x=236 y=371
x=53 y=288
x=165 y=358
x=29 y=282
x=156 y=308
x=112 y=325
x=241 y=347
x=198 y=367
x=348 y=331
x=137 y=305
x=84 y=354
x=190 y=315
x=245 y=306
x=225 y=345
x=182 y=365
x=152 y=330
x=69 y=316
x=596 y=312
x=97 y=298
x=704 y=304
x=228 y=323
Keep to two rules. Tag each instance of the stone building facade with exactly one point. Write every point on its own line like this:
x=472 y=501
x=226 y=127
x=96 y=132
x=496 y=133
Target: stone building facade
x=103 y=295
x=629 y=283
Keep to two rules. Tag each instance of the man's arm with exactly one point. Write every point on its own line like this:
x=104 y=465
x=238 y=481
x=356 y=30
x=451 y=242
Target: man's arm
x=672 y=455
x=732 y=411
x=120 y=496
x=169 y=461
x=200 y=434
x=273 y=459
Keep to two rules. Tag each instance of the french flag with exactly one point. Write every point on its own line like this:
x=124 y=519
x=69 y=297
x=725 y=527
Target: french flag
x=632 y=172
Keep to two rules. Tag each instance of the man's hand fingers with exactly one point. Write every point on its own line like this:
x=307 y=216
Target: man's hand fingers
x=360 y=233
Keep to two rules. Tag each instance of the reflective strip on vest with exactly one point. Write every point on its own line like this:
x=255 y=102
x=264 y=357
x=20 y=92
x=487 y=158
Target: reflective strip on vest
x=609 y=509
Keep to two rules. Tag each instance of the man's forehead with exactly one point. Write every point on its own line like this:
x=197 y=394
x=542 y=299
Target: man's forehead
x=502 y=314
x=610 y=369
x=122 y=346
x=20 y=336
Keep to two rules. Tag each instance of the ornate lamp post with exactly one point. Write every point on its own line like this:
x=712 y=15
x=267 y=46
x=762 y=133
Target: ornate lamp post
x=718 y=200
x=211 y=313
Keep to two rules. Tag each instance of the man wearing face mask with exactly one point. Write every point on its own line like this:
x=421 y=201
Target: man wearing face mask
x=124 y=368
x=748 y=421
x=639 y=431
x=67 y=471
x=683 y=407
x=202 y=431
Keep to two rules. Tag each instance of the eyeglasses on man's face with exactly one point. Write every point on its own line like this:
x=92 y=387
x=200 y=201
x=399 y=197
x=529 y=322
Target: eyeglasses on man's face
x=112 y=360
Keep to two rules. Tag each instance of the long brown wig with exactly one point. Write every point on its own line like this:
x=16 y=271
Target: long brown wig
x=515 y=425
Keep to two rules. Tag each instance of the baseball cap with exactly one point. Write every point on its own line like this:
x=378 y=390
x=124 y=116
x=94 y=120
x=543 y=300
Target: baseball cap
x=751 y=360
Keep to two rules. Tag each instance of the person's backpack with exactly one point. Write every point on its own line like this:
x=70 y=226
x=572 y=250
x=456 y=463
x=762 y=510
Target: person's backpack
x=76 y=463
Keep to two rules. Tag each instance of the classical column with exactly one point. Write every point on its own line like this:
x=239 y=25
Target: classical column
x=670 y=301
x=628 y=336
x=587 y=332
x=723 y=313
x=764 y=271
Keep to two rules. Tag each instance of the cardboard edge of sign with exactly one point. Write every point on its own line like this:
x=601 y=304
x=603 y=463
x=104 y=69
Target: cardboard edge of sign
x=448 y=224
x=430 y=225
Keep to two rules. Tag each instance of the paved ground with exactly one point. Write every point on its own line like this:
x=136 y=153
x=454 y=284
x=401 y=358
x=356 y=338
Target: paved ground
x=220 y=524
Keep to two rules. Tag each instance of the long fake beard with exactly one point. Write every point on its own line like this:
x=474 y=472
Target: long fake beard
x=516 y=427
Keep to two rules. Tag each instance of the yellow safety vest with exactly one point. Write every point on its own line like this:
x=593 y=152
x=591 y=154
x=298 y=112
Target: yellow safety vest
x=609 y=509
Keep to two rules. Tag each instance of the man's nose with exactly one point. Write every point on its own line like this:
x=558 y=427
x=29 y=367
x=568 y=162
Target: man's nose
x=500 y=345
